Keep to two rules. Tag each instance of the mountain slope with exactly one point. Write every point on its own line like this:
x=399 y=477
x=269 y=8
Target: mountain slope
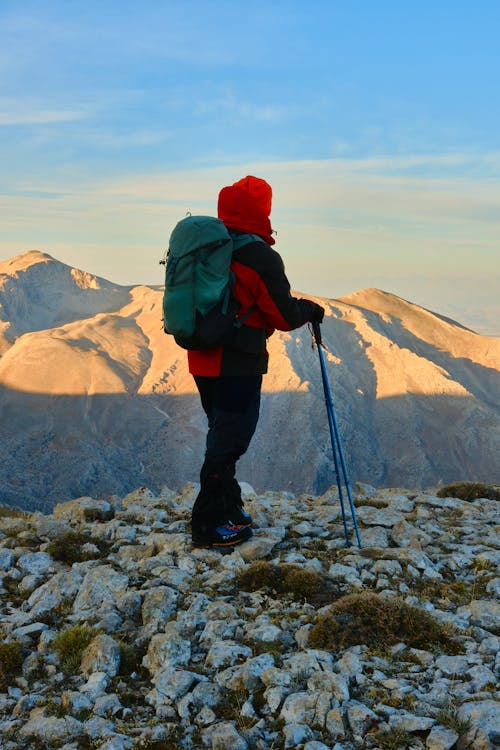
x=95 y=399
x=37 y=292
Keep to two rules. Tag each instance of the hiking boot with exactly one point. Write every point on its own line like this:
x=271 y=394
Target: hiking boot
x=239 y=516
x=221 y=535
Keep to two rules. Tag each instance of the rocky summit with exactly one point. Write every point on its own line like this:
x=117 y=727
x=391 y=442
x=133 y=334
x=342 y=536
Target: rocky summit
x=117 y=635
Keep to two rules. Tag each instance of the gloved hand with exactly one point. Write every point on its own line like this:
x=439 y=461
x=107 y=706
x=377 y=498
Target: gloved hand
x=315 y=313
x=319 y=313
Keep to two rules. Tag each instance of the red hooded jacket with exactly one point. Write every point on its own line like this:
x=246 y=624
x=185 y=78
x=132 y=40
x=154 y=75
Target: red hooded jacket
x=261 y=285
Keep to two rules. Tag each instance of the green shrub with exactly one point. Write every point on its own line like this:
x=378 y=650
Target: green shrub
x=70 y=644
x=470 y=491
x=379 y=622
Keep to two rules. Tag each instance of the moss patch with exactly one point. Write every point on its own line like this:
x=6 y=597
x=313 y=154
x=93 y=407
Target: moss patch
x=380 y=621
x=470 y=491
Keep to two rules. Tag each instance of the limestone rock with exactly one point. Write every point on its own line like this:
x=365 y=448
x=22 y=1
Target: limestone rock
x=224 y=736
x=261 y=544
x=248 y=675
x=96 y=685
x=441 y=738
x=415 y=723
x=299 y=708
x=7 y=559
x=296 y=734
x=360 y=718
x=405 y=534
x=167 y=649
x=83 y=509
x=101 y=655
x=108 y=705
x=158 y=607
x=59 y=589
x=47 y=526
x=223 y=654
x=50 y=729
x=379 y=516
x=170 y=684
x=35 y=563
x=482 y=612
x=484 y=715
x=75 y=702
x=453 y=666
x=101 y=586
x=334 y=684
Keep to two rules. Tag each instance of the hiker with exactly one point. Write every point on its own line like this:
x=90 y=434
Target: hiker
x=229 y=376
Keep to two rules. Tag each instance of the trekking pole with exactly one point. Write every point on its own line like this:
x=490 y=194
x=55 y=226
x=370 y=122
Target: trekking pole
x=338 y=453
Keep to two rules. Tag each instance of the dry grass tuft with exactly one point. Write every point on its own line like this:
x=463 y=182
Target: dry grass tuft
x=300 y=583
x=470 y=491
x=11 y=660
x=70 y=644
x=6 y=511
x=68 y=548
x=395 y=738
x=380 y=622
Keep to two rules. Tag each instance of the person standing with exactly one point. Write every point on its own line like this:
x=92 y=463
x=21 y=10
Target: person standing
x=229 y=377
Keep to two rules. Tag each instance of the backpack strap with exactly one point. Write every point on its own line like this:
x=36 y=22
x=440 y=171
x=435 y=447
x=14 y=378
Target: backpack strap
x=240 y=239
x=243 y=238
x=239 y=323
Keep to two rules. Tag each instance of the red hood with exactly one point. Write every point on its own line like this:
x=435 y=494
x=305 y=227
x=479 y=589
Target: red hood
x=246 y=207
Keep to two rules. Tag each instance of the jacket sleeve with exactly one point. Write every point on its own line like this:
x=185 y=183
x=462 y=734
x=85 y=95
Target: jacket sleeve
x=274 y=299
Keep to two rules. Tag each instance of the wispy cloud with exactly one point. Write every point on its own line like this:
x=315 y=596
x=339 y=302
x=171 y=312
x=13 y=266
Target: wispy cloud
x=29 y=115
x=380 y=204
x=342 y=224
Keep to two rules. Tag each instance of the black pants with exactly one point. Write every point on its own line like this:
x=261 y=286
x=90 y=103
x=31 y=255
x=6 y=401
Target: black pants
x=232 y=405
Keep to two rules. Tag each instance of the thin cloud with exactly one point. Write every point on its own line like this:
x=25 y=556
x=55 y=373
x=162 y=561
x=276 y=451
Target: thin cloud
x=39 y=116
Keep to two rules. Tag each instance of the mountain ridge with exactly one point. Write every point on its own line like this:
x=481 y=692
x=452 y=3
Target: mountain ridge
x=416 y=395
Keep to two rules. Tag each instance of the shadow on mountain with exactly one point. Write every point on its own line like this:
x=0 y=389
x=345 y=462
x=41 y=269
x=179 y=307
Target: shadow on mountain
x=54 y=448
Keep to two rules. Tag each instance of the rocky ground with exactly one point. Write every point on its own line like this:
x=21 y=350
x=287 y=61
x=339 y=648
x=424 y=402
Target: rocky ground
x=117 y=635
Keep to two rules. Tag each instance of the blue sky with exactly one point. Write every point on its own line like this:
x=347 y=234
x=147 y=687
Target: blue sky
x=377 y=123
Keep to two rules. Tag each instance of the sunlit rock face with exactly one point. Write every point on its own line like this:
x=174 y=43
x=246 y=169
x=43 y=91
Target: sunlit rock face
x=95 y=399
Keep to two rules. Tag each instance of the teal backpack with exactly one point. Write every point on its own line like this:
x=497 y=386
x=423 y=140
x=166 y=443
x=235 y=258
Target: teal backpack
x=199 y=308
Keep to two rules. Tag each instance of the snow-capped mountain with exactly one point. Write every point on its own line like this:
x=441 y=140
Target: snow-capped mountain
x=96 y=399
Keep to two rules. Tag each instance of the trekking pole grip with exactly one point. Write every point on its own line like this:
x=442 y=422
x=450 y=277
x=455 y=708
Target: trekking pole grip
x=317 y=333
